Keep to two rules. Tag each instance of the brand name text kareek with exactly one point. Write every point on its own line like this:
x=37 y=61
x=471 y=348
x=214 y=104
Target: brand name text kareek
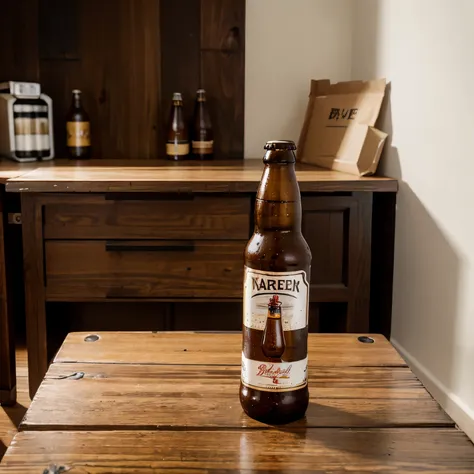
x=259 y=284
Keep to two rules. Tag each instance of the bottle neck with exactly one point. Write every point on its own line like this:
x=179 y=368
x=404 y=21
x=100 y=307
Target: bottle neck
x=177 y=121
x=278 y=204
x=274 y=312
x=76 y=101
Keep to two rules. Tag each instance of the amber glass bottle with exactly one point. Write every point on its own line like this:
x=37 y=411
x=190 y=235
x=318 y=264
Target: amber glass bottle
x=203 y=138
x=78 y=129
x=177 y=140
x=274 y=386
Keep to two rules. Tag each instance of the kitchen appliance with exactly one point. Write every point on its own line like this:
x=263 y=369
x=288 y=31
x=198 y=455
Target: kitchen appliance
x=26 y=122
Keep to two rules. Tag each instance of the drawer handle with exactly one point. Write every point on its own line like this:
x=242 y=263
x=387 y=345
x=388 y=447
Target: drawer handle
x=149 y=197
x=149 y=246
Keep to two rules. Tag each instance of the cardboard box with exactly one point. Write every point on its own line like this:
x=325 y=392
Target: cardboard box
x=338 y=130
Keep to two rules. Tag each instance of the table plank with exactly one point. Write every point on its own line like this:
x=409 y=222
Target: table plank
x=164 y=176
x=446 y=451
x=125 y=396
x=340 y=350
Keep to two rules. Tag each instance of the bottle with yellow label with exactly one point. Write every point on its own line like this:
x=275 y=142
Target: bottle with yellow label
x=177 y=140
x=78 y=129
x=203 y=138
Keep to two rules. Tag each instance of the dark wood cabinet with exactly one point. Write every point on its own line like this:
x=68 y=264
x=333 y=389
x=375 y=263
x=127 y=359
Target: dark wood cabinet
x=102 y=245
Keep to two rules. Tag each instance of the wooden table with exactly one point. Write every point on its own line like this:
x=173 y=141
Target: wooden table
x=154 y=402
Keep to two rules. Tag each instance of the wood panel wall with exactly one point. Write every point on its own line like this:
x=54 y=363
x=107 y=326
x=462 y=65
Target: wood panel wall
x=128 y=57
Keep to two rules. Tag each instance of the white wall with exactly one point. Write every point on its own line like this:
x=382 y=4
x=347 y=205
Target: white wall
x=424 y=48
x=288 y=43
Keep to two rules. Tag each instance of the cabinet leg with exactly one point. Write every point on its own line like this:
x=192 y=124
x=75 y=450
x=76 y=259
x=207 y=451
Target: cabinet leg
x=360 y=239
x=7 y=334
x=36 y=345
x=35 y=309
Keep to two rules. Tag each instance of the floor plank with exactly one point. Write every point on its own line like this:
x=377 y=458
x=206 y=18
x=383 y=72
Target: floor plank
x=10 y=417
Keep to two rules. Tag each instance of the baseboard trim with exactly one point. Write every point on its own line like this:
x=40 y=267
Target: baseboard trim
x=462 y=415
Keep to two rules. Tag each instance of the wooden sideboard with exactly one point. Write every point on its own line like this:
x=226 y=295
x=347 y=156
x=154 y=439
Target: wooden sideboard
x=122 y=231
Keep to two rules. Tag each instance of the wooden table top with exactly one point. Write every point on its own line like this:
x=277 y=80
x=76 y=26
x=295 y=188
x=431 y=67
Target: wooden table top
x=188 y=176
x=155 y=402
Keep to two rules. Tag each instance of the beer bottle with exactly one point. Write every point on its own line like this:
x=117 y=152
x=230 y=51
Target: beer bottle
x=78 y=129
x=273 y=341
x=203 y=142
x=274 y=386
x=177 y=143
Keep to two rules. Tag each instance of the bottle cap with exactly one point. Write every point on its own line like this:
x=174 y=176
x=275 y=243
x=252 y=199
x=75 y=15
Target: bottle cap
x=280 y=145
x=200 y=91
x=76 y=91
x=177 y=96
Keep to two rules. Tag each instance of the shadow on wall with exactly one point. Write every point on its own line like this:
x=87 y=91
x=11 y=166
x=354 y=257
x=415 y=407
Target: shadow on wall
x=427 y=266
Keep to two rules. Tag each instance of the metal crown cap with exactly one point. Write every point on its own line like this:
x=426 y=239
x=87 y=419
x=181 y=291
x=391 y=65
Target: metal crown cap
x=280 y=145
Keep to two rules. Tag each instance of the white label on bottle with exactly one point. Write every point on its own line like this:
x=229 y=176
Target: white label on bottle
x=272 y=376
x=292 y=289
x=205 y=146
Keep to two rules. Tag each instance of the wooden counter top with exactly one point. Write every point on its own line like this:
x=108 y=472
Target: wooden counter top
x=189 y=176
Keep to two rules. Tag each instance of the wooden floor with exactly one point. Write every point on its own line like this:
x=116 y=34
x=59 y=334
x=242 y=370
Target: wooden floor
x=10 y=417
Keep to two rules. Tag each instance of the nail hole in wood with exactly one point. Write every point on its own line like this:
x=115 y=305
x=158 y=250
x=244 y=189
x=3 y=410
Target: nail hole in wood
x=91 y=338
x=365 y=339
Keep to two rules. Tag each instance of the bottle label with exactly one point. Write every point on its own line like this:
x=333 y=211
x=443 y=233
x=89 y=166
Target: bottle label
x=78 y=134
x=25 y=134
x=283 y=373
x=292 y=289
x=274 y=376
x=203 y=147
x=179 y=149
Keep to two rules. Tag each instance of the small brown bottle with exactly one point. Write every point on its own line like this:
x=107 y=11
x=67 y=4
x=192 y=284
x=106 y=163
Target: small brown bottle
x=177 y=141
x=78 y=129
x=203 y=138
x=273 y=341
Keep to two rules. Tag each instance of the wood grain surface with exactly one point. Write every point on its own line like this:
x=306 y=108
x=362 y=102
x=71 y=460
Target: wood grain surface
x=143 y=269
x=126 y=396
x=33 y=264
x=218 y=176
x=441 y=451
x=324 y=350
x=88 y=45
x=19 y=61
x=160 y=217
x=12 y=169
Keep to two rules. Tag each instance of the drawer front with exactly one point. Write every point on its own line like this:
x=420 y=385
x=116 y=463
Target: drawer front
x=329 y=228
x=201 y=217
x=141 y=269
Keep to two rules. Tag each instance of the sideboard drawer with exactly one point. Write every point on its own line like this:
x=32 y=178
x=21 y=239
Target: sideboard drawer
x=163 y=217
x=143 y=269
